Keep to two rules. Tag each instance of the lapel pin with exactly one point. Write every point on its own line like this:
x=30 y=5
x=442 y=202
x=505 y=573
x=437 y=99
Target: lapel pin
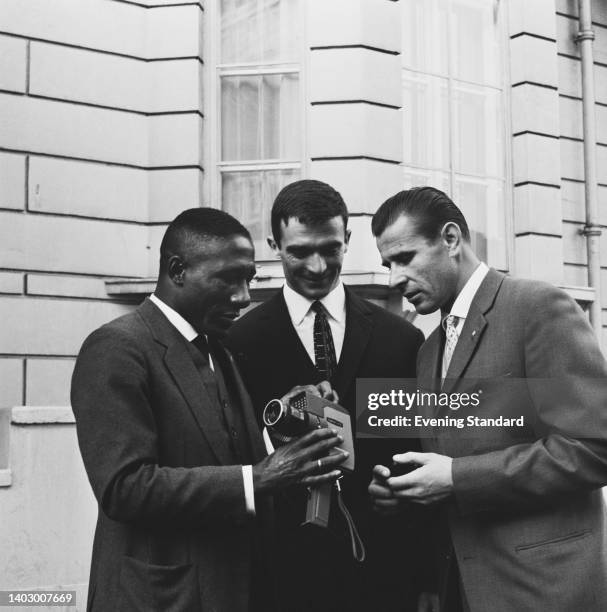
x=473 y=333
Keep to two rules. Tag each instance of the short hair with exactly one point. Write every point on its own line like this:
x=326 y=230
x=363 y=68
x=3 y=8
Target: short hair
x=310 y=202
x=430 y=207
x=194 y=224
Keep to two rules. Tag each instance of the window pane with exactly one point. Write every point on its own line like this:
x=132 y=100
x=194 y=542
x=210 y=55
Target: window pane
x=259 y=31
x=425 y=121
x=475 y=41
x=482 y=203
x=478 y=131
x=432 y=178
x=248 y=196
x=453 y=111
x=260 y=117
x=425 y=35
x=240 y=120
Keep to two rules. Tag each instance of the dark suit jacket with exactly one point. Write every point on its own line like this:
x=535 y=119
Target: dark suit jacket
x=377 y=344
x=528 y=520
x=173 y=533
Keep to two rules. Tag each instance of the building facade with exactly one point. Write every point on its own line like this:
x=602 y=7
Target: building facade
x=115 y=115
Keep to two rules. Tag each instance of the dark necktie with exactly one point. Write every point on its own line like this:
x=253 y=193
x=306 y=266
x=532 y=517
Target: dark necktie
x=200 y=342
x=324 y=350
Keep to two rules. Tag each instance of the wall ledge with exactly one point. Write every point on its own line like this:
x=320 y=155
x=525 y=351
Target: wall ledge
x=6 y=477
x=42 y=415
x=582 y=295
x=268 y=280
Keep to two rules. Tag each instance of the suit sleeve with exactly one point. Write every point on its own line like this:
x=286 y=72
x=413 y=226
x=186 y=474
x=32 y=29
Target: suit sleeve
x=571 y=455
x=118 y=439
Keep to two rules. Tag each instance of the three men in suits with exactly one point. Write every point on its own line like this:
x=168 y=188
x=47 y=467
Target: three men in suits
x=170 y=442
x=523 y=518
x=277 y=346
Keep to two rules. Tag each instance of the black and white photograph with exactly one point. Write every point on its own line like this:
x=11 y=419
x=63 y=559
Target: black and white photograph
x=303 y=305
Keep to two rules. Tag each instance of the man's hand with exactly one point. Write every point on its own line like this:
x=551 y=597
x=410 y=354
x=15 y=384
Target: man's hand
x=322 y=389
x=431 y=482
x=382 y=496
x=303 y=461
x=327 y=392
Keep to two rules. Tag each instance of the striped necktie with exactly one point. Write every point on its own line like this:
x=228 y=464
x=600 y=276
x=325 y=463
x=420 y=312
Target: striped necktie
x=324 y=350
x=451 y=337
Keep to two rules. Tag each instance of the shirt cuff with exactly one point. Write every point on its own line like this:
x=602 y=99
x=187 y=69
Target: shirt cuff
x=267 y=441
x=249 y=492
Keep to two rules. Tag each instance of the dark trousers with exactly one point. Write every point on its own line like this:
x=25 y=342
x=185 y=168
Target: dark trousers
x=317 y=572
x=454 y=599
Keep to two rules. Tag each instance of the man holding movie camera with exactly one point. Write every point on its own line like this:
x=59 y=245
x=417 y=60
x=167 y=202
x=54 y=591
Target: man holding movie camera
x=316 y=329
x=170 y=443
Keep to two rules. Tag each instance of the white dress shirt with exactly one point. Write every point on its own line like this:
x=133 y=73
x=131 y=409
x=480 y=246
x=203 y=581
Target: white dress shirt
x=462 y=303
x=189 y=333
x=302 y=317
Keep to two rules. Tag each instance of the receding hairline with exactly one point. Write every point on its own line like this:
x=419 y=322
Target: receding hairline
x=415 y=221
x=430 y=208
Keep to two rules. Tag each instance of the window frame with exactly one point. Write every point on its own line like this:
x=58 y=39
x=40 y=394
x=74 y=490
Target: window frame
x=215 y=70
x=506 y=123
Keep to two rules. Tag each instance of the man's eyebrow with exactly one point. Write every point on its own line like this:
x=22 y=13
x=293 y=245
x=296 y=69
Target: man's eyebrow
x=401 y=255
x=236 y=267
x=298 y=247
x=311 y=247
x=330 y=245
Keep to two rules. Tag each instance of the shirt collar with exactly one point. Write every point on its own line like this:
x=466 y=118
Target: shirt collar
x=462 y=303
x=183 y=327
x=299 y=306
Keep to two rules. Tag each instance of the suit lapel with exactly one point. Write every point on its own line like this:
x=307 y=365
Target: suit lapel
x=232 y=376
x=473 y=329
x=180 y=363
x=359 y=325
x=284 y=342
x=429 y=362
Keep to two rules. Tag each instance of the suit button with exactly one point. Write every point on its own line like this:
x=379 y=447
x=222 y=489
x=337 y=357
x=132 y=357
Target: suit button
x=234 y=433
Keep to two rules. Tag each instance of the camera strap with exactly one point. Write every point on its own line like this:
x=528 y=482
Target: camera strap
x=358 y=547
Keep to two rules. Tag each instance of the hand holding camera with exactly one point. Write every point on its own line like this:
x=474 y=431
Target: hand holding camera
x=304 y=459
x=313 y=409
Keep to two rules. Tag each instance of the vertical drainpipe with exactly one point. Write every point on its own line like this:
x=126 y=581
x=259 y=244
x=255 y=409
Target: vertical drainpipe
x=591 y=229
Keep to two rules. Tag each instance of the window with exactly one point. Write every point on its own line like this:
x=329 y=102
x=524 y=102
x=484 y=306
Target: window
x=454 y=115
x=258 y=113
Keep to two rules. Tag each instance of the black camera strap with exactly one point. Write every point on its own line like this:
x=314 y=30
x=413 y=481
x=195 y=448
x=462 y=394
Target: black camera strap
x=358 y=547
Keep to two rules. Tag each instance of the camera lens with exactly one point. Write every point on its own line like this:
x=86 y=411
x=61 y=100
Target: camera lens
x=273 y=412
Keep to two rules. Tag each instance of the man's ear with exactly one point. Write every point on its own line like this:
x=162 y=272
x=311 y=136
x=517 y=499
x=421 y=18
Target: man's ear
x=451 y=235
x=273 y=245
x=347 y=238
x=176 y=269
